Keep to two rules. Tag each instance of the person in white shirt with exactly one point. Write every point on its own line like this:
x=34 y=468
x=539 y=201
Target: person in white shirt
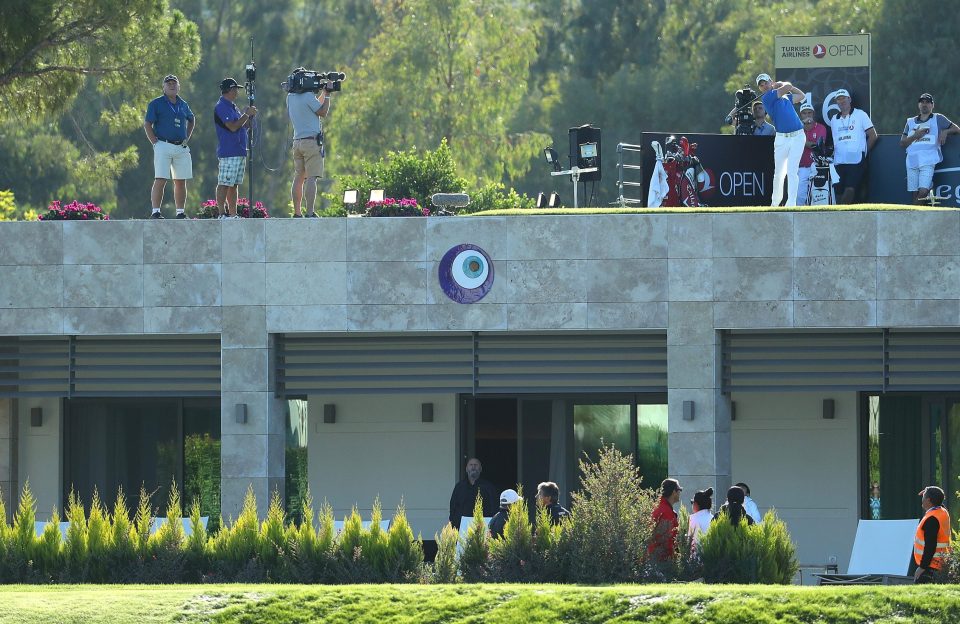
x=748 y=505
x=923 y=136
x=702 y=503
x=853 y=138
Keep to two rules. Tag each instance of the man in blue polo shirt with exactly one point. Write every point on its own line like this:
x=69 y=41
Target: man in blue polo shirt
x=779 y=98
x=169 y=123
x=231 y=145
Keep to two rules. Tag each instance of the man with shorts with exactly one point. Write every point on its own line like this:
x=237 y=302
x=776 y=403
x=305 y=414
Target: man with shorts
x=779 y=98
x=305 y=110
x=169 y=124
x=853 y=138
x=231 y=145
x=923 y=136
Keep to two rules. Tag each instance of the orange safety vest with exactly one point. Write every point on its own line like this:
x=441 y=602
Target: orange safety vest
x=943 y=538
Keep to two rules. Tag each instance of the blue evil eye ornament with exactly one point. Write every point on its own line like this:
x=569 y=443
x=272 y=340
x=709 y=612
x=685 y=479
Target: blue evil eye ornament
x=466 y=273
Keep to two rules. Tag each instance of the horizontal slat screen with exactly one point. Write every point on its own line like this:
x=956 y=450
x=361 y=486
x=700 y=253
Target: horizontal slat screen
x=551 y=363
x=877 y=360
x=155 y=366
x=34 y=367
x=310 y=364
x=923 y=361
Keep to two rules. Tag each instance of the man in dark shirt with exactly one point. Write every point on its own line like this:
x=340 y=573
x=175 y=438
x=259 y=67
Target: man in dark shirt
x=465 y=494
x=499 y=520
x=548 y=493
x=932 y=541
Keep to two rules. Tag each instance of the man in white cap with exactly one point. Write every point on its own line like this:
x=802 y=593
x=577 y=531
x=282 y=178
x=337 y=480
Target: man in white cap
x=853 y=138
x=923 y=136
x=499 y=519
x=815 y=133
x=779 y=98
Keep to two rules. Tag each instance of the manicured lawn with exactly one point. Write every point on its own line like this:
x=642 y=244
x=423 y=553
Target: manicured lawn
x=477 y=603
x=705 y=209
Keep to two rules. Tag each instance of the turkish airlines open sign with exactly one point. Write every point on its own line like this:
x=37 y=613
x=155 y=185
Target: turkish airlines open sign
x=822 y=64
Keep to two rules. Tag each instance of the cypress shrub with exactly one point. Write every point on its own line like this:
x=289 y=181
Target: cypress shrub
x=99 y=542
x=476 y=547
x=123 y=555
x=165 y=546
x=273 y=539
x=5 y=572
x=404 y=556
x=550 y=545
x=374 y=546
x=741 y=553
x=75 y=547
x=511 y=556
x=48 y=560
x=445 y=563
x=21 y=537
x=196 y=563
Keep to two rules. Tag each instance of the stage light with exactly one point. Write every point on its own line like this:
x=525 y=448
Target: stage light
x=554 y=201
x=376 y=195
x=541 y=200
x=550 y=155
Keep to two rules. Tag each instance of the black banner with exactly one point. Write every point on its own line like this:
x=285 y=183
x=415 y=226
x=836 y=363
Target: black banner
x=887 y=174
x=738 y=170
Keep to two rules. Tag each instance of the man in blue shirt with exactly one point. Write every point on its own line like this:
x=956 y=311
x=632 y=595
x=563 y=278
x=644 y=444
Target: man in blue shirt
x=779 y=98
x=169 y=124
x=231 y=145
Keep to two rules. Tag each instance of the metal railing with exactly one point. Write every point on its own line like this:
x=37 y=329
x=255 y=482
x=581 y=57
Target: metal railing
x=623 y=167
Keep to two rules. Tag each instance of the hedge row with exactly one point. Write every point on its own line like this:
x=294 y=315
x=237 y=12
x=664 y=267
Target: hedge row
x=604 y=540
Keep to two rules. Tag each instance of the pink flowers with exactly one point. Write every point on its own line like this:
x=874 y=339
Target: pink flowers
x=74 y=211
x=391 y=207
x=210 y=210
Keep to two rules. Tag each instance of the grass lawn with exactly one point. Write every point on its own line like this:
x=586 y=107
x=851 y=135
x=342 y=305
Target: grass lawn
x=703 y=210
x=528 y=604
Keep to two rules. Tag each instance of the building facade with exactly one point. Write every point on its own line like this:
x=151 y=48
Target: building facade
x=809 y=355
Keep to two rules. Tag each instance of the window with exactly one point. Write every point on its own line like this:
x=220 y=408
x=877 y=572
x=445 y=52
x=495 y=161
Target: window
x=111 y=444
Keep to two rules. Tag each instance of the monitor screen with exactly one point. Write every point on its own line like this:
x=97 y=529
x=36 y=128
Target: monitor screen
x=588 y=150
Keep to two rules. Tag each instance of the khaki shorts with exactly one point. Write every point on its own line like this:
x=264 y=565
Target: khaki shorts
x=172 y=162
x=307 y=158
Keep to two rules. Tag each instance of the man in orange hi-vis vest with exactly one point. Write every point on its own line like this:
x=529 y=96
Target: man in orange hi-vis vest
x=932 y=541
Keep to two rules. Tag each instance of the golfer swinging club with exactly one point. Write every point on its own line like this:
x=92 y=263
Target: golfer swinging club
x=778 y=98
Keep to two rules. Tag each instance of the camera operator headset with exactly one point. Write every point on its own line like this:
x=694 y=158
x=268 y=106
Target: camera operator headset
x=308 y=100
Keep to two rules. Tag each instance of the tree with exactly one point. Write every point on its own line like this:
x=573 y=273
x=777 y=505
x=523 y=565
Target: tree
x=442 y=69
x=51 y=48
x=75 y=78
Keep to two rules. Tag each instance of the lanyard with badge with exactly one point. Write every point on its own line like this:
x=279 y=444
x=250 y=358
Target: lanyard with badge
x=848 y=128
x=176 y=112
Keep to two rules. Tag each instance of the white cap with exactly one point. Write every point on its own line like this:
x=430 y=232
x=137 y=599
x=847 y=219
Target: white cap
x=763 y=78
x=806 y=106
x=508 y=497
x=840 y=92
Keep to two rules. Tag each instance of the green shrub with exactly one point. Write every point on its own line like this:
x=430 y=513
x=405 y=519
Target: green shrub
x=741 y=553
x=476 y=547
x=373 y=544
x=99 y=542
x=413 y=173
x=75 y=546
x=49 y=562
x=196 y=562
x=21 y=549
x=550 y=543
x=166 y=544
x=511 y=555
x=445 y=563
x=273 y=539
x=611 y=523
x=124 y=554
x=236 y=547
x=495 y=196
x=140 y=532
x=404 y=555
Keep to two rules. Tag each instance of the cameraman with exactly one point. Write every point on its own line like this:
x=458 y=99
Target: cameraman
x=305 y=110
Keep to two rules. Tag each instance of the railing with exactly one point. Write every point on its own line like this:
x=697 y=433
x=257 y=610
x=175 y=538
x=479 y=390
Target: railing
x=623 y=167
